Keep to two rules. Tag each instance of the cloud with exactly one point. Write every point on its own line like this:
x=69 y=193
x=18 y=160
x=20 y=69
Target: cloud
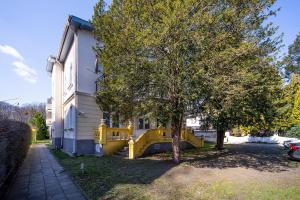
x=25 y=71
x=21 y=69
x=11 y=51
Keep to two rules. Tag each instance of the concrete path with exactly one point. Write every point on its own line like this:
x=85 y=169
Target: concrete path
x=42 y=177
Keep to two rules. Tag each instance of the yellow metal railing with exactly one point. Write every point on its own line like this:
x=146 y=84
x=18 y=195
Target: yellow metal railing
x=112 y=139
x=33 y=132
x=137 y=147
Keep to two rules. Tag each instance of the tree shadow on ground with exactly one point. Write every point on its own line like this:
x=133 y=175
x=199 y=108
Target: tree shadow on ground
x=261 y=157
x=114 y=177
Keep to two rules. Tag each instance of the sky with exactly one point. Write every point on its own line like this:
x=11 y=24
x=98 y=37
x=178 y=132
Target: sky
x=31 y=30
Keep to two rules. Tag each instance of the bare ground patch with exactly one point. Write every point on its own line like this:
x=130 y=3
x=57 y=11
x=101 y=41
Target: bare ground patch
x=239 y=172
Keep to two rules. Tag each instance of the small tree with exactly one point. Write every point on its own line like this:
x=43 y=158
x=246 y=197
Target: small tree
x=38 y=121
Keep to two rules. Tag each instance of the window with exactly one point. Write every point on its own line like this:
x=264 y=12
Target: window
x=115 y=120
x=70 y=75
x=147 y=124
x=106 y=116
x=141 y=123
x=98 y=67
x=68 y=121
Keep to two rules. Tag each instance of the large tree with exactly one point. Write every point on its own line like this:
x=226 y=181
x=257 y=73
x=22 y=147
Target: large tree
x=170 y=59
x=292 y=60
x=287 y=112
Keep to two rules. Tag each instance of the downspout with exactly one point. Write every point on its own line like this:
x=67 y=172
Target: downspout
x=76 y=89
x=62 y=78
x=61 y=101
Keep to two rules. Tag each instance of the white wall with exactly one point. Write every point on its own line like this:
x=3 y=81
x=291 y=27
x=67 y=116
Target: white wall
x=57 y=101
x=275 y=139
x=88 y=117
x=193 y=122
x=69 y=73
x=69 y=119
x=86 y=62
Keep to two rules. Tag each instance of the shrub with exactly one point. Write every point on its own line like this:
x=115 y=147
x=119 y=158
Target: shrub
x=39 y=122
x=15 y=138
x=294 y=131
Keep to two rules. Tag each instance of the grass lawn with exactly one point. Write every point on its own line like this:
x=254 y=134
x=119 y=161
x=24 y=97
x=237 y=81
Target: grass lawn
x=203 y=174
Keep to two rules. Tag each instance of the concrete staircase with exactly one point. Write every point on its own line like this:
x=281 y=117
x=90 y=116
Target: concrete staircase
x=123 y=152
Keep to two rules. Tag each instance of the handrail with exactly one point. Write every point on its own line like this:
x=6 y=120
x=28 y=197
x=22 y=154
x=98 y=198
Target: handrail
x=104 y=134
x=138 y=147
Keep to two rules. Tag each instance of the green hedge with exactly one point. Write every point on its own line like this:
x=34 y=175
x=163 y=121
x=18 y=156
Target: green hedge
x=15 y=139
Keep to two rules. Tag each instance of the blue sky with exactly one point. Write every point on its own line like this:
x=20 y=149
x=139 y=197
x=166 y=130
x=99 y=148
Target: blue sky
x=32 y=29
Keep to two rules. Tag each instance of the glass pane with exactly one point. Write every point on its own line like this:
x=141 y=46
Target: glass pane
x=141 y=123
x=106 y=116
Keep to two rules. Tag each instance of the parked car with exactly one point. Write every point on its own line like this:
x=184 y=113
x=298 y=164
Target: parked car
x=287 y=143
x=294 y=151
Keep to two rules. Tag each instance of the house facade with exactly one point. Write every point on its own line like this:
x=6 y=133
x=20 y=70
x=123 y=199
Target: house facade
x=49 y=115
x=74 y=71
x=75 y=113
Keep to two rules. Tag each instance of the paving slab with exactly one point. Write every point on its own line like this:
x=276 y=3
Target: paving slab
x=42 y=177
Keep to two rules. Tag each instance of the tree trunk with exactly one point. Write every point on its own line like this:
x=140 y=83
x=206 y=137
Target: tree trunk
x=220 y=139
x=176 y=143
x=176 y=128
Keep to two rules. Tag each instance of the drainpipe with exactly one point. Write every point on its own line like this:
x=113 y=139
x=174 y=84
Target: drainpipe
x=75 y=90
x=56 y=61
x=61 y=103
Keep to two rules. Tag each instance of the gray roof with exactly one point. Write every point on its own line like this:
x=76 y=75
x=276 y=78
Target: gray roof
x=72 y=25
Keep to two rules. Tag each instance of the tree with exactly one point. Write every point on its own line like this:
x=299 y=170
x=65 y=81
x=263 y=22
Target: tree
x=294 y=131
x=171 y=59
x=296 y=109
x=292 y=60
x=38 y=121
x=287 y=109
x=20 y=113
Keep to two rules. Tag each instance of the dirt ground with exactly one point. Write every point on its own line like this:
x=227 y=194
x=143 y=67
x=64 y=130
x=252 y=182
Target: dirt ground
x=244 y=171
x=240 y=172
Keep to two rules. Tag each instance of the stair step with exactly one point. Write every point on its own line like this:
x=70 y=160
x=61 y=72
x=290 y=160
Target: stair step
x=123 y=152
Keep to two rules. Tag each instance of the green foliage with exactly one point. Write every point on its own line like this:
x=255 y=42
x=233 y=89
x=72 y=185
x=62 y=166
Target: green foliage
x=294 y=131
x=295 y=117
x=292 y=60
x=38 y=121
x=288 y=105
x=173 y=59
x=170 y=55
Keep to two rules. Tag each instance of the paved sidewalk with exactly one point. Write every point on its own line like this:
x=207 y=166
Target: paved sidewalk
x=42 y=177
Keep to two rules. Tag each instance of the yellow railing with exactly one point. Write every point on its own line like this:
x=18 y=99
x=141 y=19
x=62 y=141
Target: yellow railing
x=33 y=132
x=112 y=139
x=138 y=147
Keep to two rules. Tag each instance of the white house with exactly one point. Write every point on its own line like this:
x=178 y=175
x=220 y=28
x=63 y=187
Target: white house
x=74 y=72
x=75 y=113
x=49 y=114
